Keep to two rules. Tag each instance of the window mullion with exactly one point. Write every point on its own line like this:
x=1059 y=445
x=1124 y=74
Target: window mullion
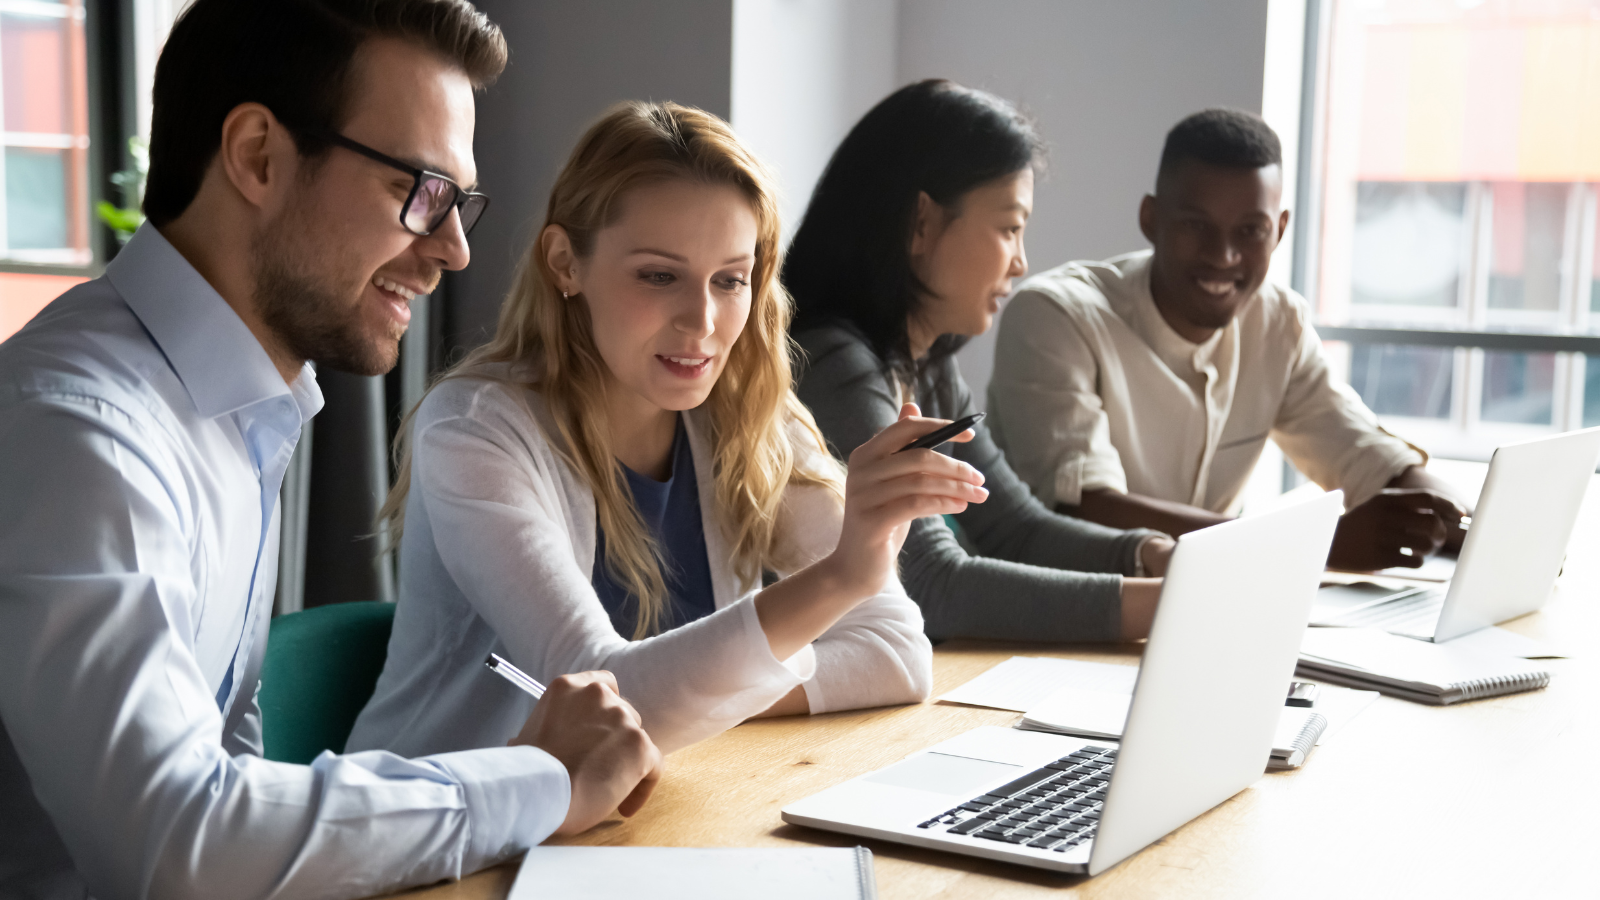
x=1475 y=299
x=1584 y=268
x=1480 y=255
x=5 y=242
x=1570 y=287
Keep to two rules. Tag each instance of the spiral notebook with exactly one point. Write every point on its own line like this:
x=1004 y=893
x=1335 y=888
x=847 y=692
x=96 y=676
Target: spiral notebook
x=692 y=873
x=1436 y=674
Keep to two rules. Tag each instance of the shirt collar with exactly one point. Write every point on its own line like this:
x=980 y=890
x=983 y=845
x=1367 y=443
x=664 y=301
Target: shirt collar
x=1179 y=353
x=219 y=361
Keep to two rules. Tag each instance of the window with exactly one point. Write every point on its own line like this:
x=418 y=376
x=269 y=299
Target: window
x=45 y=92
x=1455 y=241
x=44 y=160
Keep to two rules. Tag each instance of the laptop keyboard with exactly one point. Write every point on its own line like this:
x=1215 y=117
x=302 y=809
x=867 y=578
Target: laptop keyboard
x=1053 y=808
x=1412 y=614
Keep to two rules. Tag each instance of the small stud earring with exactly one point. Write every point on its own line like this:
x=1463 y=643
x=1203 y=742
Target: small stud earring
x=564 y=295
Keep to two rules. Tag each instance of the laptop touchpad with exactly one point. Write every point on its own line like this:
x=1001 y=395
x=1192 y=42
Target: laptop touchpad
x=943 y=774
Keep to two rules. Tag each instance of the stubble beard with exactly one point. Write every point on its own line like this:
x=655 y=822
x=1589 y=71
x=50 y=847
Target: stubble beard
x=302 y=301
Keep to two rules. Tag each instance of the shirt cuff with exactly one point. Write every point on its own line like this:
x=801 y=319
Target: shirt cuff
x=1069 y=483
x=792 y=671
x=1383 y=463
x=515 y=796
x=1077 y=474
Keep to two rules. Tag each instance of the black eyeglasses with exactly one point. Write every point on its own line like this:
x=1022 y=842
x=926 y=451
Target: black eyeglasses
x=432 y=195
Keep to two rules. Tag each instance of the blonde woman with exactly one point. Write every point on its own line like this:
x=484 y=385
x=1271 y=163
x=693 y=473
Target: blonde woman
x=607 y=482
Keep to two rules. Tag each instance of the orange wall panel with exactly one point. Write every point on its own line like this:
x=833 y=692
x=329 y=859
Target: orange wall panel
x=1552 y=101
x=1436 y=104
x=23 y=295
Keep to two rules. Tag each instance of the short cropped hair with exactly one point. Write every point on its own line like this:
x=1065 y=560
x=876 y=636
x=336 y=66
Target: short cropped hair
x=1231 y=138
x=294 y=57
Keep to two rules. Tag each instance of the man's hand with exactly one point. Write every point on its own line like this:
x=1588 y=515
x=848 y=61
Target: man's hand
x=612 y=764
x=1455 y=524
x=1378 y=533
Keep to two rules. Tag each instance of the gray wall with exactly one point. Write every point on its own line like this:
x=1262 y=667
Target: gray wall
x=804 y=71
x=1105 y=81
x=569 y=61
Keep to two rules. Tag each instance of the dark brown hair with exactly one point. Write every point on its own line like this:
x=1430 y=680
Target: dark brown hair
x=292 y=56
x=850 y=262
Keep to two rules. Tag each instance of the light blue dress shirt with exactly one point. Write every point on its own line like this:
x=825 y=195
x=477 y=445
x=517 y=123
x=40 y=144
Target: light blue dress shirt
x=144 y=434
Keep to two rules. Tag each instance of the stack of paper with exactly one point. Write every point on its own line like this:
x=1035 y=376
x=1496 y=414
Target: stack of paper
x=1090 y=700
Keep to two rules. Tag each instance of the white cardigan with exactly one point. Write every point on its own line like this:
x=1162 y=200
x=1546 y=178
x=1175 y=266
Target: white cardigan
x=498 y=555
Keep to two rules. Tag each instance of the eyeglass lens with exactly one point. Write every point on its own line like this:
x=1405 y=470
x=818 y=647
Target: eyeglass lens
x=431 y=204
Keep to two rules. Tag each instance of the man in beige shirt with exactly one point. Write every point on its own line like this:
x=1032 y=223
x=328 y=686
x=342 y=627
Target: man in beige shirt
x=1139 y=391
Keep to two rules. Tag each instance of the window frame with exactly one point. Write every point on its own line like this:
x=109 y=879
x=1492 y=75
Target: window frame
x=109 y=84
x=1573 y=335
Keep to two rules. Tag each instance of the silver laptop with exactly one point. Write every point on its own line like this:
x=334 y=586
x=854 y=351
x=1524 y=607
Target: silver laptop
x=1222 y=650
x=1510 y=559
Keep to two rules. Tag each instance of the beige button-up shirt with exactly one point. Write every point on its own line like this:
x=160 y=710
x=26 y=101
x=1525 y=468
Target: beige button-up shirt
x=1092 y=389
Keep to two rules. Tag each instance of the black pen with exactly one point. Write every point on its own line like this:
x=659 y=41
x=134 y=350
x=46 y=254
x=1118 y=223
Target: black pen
x=934 y=439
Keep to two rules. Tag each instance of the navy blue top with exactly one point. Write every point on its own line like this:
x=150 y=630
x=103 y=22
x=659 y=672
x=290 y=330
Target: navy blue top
x=671 y=511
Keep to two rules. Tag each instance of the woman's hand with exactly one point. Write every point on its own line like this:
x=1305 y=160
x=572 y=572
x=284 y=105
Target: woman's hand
x=886 y=489
x=1155 y=554
x=1139 y=597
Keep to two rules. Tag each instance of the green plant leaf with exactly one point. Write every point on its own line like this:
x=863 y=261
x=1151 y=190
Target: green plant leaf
x=124 y=221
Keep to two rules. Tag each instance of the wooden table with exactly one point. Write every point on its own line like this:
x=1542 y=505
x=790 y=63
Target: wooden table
x=1494 y=798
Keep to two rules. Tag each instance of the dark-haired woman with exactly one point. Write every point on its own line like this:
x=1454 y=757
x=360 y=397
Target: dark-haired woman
x=912 y=238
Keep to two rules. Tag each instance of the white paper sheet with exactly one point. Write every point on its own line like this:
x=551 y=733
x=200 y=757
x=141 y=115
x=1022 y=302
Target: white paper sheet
x=1099 y=693
x=1023 y=682
x=1497 y=641
x=1102 y=713
x=690 y=873
x=1339 y=705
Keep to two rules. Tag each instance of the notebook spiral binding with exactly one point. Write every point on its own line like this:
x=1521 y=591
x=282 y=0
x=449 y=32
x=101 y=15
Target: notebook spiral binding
x=1503 y=684
x=1309 y=732
x=869 y=884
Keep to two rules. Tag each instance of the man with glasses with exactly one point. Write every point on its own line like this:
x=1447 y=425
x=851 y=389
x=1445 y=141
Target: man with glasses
x=308 y=172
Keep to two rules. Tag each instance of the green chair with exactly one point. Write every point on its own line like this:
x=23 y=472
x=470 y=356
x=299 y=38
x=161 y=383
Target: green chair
x=320 y=669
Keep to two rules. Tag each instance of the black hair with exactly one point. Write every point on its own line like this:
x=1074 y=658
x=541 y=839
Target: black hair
x=292 y=56
x=1231 y=138
x=850 y=262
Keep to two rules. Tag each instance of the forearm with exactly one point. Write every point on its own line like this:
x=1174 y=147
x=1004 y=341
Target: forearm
x=1419 y=478
x=963 y=596
x=876 y=655
x=148 y=801
x=793 y=703
x=1059 y=541
x=1013 y=525
x=798 y=609
x=1120 y=510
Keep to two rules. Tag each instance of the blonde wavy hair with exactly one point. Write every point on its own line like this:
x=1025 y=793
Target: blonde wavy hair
x=752 y=411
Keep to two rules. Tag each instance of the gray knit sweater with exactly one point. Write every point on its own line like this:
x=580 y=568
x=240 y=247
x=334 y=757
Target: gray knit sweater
x=1041 y=576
